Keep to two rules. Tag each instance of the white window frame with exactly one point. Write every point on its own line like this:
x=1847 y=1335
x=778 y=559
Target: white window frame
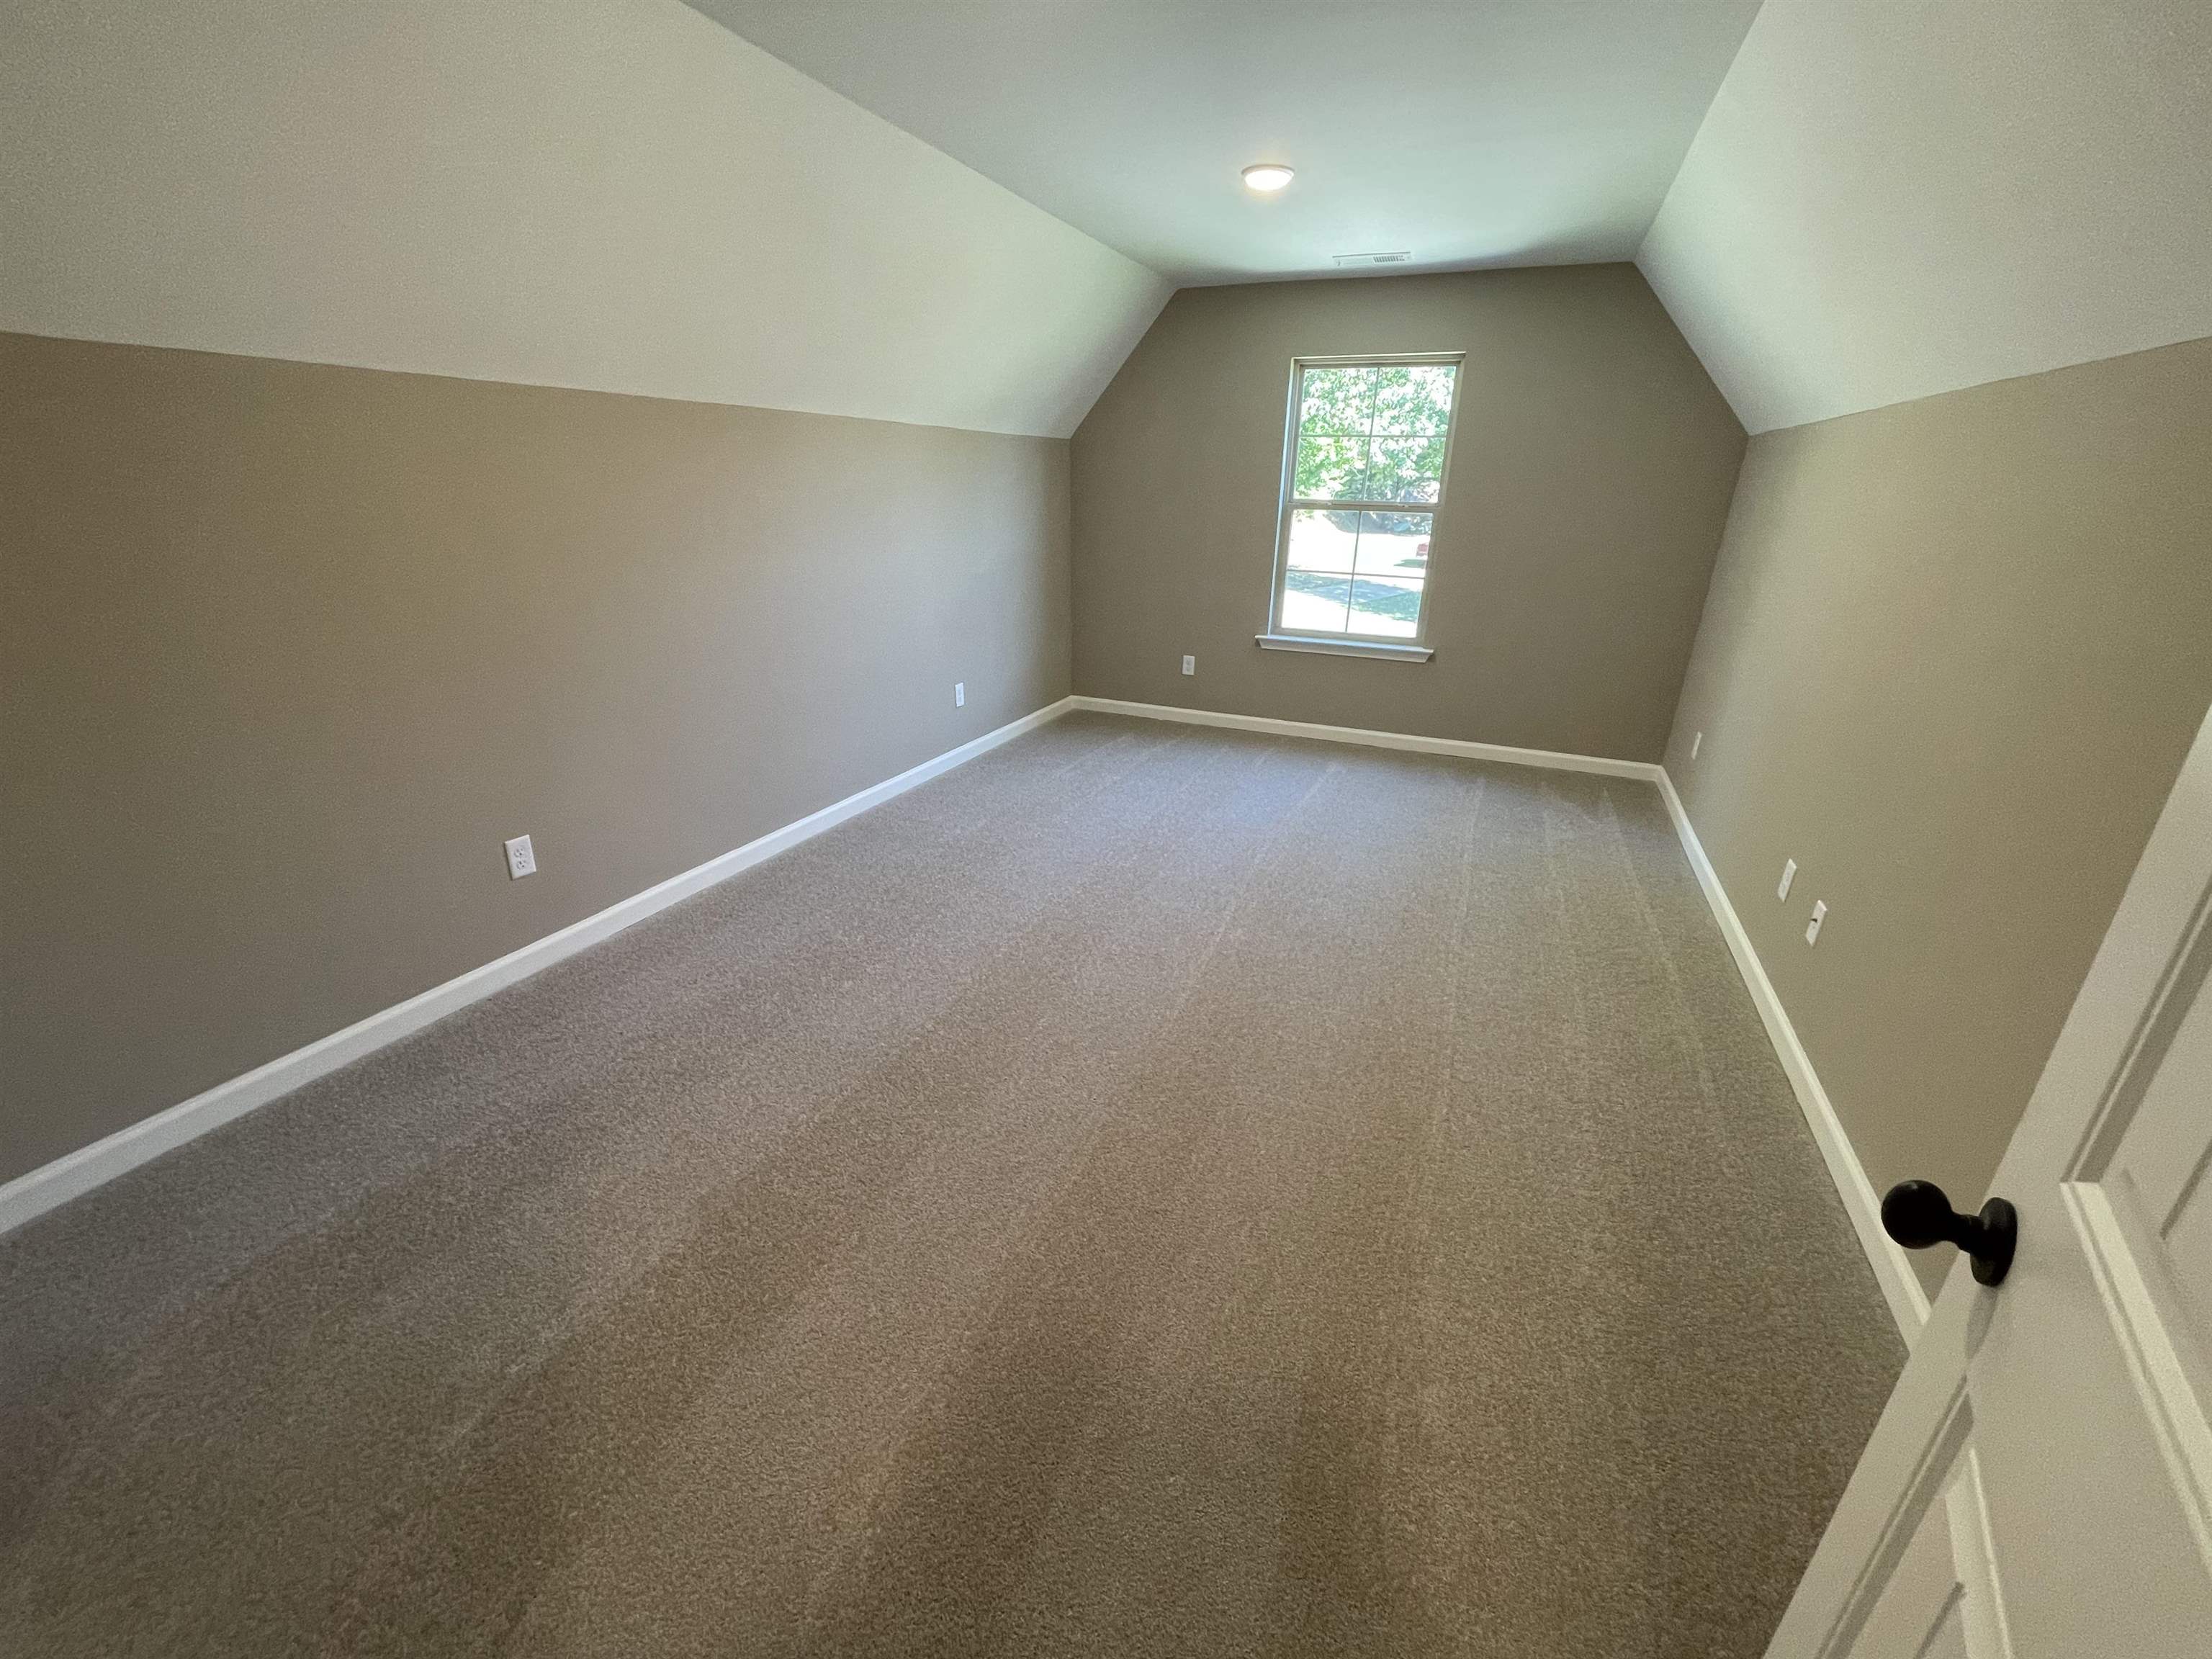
x=1393 y=647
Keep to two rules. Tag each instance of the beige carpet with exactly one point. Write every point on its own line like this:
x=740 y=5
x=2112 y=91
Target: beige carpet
x=1152 y=1191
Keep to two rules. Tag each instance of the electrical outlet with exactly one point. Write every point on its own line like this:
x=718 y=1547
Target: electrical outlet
x=1695 y=743
x=1788 y=875
x=1190 y=664
x=1813 y=927
x=521 y=860
x=960 y=694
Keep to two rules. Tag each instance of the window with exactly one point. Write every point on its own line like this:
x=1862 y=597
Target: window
x=1362 y=477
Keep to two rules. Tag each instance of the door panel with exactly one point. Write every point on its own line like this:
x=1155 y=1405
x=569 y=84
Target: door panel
x=2155 y=1295
x=2163 y=1197
x=2088 y=1386
x=2058 y=1423
x=1950 y=1640
x=1920 y=1603
x=2189 y=1244
x=1983 y=1616
x=1939 y=1600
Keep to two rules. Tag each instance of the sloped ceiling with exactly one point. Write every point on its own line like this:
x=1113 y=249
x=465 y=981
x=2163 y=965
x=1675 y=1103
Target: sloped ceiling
x=1887 y=201
x=1466 y=132
x=620 y=196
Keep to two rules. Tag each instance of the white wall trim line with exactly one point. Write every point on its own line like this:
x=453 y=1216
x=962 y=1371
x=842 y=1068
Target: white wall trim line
x=1375 y=649
x=1893 y=1268
x=35 y=1192
x=1555 y=759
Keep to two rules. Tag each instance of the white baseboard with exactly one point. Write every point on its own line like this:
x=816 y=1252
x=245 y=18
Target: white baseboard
x=1893 y=1268
x=39 y=1190
x=1554 y=759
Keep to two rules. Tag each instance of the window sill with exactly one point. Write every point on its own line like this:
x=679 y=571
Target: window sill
x=1375 y=648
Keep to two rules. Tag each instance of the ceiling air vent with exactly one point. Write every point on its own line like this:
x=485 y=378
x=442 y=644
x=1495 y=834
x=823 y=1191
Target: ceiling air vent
x=1360 y=261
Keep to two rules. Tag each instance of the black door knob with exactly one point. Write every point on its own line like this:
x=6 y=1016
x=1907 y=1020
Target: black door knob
x=1917 y=1215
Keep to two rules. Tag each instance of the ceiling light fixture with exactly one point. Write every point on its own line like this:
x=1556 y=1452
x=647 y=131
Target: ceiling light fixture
x=1267 y=176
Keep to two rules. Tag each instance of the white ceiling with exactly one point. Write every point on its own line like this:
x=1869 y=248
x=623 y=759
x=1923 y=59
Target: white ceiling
x=619 y=196
x=1892 y=200
x=1471 y=132
x=1888 y=198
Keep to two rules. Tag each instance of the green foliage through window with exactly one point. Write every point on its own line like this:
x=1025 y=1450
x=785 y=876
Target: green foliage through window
x=1370 y=436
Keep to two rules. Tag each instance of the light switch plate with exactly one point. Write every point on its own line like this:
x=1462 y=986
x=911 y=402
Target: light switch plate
x=1788 y=875
x=1813 y=927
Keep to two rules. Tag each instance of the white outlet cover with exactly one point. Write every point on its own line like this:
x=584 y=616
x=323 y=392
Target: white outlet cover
x=1788 y=875
x=521 y=860
x=1190 y=664
x=960 y=694
x=1813 y=927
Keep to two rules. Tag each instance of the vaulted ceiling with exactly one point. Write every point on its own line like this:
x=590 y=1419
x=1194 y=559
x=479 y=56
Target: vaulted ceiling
x=620 y=196
x=1865 y=200
x=1894 y=200
x=1842 y=203
x=1469 y=132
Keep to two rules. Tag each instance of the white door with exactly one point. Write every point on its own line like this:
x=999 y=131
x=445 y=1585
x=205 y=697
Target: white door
x=2040 y=1485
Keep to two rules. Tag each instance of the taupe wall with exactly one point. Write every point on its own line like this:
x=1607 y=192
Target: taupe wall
x=1954 y=652
x=287 y=651
x=1589 y=482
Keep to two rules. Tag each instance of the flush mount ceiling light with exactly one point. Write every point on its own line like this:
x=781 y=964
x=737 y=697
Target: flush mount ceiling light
x=1267 y=176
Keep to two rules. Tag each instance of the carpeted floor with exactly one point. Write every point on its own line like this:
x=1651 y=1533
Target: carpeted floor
x=1152 y=1191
